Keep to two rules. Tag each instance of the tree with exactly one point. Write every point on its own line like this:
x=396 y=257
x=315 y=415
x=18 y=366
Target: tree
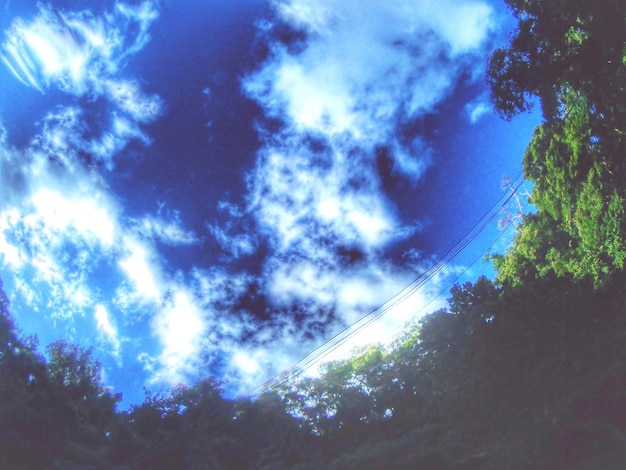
x=22 y=441
x=78 y=407
x=559 y=46
x=571 y=55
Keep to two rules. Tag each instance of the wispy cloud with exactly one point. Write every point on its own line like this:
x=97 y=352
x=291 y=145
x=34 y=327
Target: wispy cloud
x=61 y=226
x=478 y=108
x=167 y=232
x=75 y=50
x=368 y=67
x=107 y=330
x=367 y=70
x=129 y=98
x=82 y=54
x=307 y=198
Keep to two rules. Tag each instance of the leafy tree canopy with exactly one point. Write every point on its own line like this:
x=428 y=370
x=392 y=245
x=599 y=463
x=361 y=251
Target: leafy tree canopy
x=571 y=55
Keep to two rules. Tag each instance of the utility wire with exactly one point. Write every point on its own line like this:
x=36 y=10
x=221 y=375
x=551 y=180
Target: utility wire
x=484 y=252
x=332 y=348
x=444 y=290
x=345 y=334
x=343 y=340
x=403 y=294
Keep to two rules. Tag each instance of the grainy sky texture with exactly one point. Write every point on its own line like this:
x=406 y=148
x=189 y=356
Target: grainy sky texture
x=215 y=188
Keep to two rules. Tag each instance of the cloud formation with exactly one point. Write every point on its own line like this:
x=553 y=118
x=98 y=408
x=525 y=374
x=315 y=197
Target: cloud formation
x=62 y=230
x=75 y=50
x=316 y=218
x=107 y=330
x=82 y=54
x=349 y=85
x=366 y=71
x=368 y=67
x=478 y=108
x=315 y=194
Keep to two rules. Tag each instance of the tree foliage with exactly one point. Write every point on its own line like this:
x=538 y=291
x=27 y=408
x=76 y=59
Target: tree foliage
x=561 y=46
x=571 y=55
x=517 y=376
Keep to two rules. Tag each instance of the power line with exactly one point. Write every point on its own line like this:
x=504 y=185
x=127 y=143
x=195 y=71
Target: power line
x=414 y=289
x=345 y=334
x=342 y=341
x=439 y=265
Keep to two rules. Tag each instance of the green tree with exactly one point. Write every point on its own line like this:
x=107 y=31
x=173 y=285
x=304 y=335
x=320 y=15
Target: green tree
x=571 y=55
x=77 y=404
x=558 y=46
x=23 y=442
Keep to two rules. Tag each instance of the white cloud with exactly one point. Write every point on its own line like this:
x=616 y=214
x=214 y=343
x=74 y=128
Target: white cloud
x=67 y=138
x=478 y=108
x=12 y=256
x=350 y=294
x=246 y=362
x=75 y=50
x=129 y=98
x=49 y=207
x=169 y=233
x=81 y=53
x=56 y=234
x=367 y=69
x=180 y=326
x=61 y=226
x=141 y=267
x=463 y=24
x=113 y=140
x=89 y=216
x=338 y=200
x=234 y=245
x=106 y=328
x=368 y=64
x=64 y=228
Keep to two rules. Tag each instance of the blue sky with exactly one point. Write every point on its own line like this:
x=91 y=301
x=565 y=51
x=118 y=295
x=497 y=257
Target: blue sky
x=214 y=188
